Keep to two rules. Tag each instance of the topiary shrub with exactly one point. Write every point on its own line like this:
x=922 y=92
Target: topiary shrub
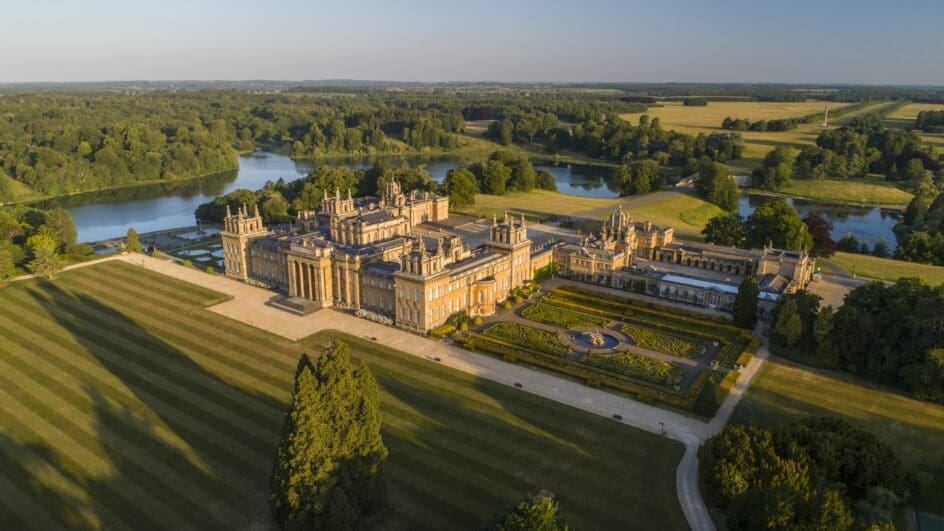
x=187 y=263
x=210 y=270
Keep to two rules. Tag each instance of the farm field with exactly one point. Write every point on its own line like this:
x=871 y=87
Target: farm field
x=873 y=192
x=886 y=268
x=125 y=404
x=783 y=391
x=904 y=118
x=708 y=119
x=686 y=213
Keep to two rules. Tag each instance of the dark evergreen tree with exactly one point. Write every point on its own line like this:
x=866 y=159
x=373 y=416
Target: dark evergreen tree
x=327 y=467
x=745 y=303
x=880 y=249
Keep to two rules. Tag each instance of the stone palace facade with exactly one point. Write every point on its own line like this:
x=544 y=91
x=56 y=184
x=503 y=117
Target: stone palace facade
x=366 y=254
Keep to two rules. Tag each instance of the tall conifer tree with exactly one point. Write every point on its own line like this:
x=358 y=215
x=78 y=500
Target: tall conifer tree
x=327 y=470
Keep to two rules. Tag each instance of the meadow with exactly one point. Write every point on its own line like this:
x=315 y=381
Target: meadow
x=685 y=213
x=904 y=118
x=125 y=404
x=694 y=120
x=783 y=391
x=886 y=268
x=860 y=192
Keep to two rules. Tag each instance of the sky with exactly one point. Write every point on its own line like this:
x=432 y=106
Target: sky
x=798 y=41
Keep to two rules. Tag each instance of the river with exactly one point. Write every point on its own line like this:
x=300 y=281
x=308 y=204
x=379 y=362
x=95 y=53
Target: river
x=108 y=214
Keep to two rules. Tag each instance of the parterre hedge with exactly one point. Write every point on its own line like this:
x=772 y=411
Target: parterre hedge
x=527 y=336
x=639 y=389
x=646 y=337
x=643 y=367
x=564 y=318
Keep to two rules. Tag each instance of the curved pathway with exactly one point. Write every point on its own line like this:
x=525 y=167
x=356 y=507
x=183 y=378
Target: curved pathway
x=248 y=305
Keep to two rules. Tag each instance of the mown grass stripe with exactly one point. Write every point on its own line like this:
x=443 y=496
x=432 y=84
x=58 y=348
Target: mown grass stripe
x=20 y=511
x=194 y=293
x=138 y=504
x=160 y=443
x=192 y=429
x=150 y=373
x=50 y=493
x=136 y=314
x=438 y=492
x=179 y=493
x=207 y=347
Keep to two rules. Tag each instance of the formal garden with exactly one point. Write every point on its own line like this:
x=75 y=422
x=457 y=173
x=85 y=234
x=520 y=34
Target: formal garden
x=655 y=353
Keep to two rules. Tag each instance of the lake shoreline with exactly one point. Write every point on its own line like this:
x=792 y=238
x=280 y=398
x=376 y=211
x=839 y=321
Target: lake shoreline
x=824 y=201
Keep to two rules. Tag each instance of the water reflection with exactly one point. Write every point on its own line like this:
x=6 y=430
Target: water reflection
x=867 y=224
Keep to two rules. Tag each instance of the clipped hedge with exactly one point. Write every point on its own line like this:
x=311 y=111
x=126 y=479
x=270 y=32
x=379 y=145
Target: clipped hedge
x=643 y=367
x=593 y=376
x=564 y=318
x=527 y=336
x=654 y=340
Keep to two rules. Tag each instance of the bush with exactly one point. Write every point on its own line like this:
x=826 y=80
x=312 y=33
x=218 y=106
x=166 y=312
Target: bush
x=443 y=330
x=477 y=320
x=210 y=270
x=79 y=249
x=187 y=263
x=506 y=305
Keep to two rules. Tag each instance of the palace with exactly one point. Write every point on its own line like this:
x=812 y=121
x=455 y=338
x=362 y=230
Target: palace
x=645 y=258
x=367 y=254
x=363 y=254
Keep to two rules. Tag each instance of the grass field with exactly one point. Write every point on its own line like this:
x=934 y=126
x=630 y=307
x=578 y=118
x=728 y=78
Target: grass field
x=904 y=118
x=708 y=119
x=686 y=213
x=886 y=268
x=784 y=391
x=872 y=192
x=124 y=404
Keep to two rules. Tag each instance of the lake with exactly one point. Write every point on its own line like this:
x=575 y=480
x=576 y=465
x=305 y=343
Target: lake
x=108 y=214
x=867 y=224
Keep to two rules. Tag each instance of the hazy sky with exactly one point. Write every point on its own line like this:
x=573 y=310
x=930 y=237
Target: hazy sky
x=864 y=41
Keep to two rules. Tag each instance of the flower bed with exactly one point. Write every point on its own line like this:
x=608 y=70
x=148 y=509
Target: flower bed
x=643 y=367
x=375 y=317
x=654 y=340
x=527 y=336
x=557 y=316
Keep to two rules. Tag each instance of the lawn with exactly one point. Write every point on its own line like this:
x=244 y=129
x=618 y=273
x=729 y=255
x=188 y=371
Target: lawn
x=643 y=367
x=708 y=119
x=886 y=268
x=869 y=191
x=556 y=316
x=124 y=404
x=661 y=342
x=686 y=213
x=783 y=391
x=904 y=118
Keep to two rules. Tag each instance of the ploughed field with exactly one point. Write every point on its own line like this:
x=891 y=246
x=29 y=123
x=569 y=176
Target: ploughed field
x=125 y=404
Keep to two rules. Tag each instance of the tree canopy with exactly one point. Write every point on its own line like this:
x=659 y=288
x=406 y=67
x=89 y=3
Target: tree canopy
x=817 y=473
x=329 y=459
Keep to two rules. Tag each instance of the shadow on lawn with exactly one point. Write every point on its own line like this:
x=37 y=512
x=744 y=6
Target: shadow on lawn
x=203 y=460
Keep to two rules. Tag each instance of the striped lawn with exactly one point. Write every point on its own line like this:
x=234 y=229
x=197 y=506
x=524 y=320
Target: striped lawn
x=125 y=404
